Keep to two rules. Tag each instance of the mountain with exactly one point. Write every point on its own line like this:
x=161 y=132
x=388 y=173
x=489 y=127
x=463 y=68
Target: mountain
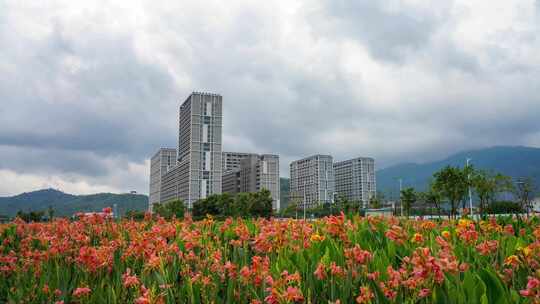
x=511 y=161
x=65 y=204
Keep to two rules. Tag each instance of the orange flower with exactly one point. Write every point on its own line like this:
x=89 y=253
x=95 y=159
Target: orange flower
x=512 y=261
x=417 y=238
x=446 y=234
x=317 y=238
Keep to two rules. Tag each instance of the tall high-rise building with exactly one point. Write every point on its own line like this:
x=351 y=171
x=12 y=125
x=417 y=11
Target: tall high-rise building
x=199 y=170
x=250 y=172
x=355 y=179
x=312 y=180
x=160 y=163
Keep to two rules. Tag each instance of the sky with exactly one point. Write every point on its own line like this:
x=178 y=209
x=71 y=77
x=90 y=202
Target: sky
x=89 y=90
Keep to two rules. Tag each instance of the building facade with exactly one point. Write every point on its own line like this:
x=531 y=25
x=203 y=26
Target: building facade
x=230 y=182
x=198 y=171
x=253 y=173
x=312 y=180
x=231 y=160
x=355 y=179
x=160 y=163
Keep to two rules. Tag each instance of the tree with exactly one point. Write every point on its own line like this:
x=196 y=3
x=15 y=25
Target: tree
x=375 y=201
x=408 y=198
x=32 y=216
x=50 y=213
x=487 y=186
x=135 y=214
x=524 y=192
x=173 y=208
x=433 y=197
x=241 y=204
x=452 y=183
x=226 y=205
x=261 y=205
x=207 y=206
x=291 y=210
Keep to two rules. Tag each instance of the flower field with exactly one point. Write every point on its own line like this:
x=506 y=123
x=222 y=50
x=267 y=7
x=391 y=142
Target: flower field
x=333 y=260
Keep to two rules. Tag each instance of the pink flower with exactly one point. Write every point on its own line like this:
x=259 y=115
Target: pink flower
x=293 y=294
x=424 y=293
x=130 y=280
x=81 y=291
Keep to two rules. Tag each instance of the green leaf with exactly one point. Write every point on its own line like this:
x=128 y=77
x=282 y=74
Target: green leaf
x=495 y=291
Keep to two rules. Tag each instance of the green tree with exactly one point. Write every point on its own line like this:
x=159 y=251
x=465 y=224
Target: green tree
x=50 y=213
x=374 y=202
x=524 y=191
x=173 y=208
x=408 y=198
x=207 y=206
x=32 y=216
x=135 y=214
x=261 y=205
x=242 y=204
x=452 y=183
x=432 y=197
x=226 y=205
x=291 y=210
x=487 y=186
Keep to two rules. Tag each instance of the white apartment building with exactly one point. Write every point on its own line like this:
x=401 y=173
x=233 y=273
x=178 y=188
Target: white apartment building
x=161 y=162
x=312 y=180
x=355 y=179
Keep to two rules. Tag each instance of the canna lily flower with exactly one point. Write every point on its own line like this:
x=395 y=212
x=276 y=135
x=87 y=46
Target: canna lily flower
x=320 y=272
x=81 y=291
x=424 y=293
x=130 y=280
x=417 y=238
x=293 y=294
x=365 y=295
x=512 y=261
x=446 y=234
x=317 y=238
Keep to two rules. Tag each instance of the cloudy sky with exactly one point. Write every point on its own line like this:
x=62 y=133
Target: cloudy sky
x=89 y=90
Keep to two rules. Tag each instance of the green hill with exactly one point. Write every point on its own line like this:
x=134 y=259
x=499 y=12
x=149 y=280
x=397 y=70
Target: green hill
x=65 y=204
x=511 y=161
